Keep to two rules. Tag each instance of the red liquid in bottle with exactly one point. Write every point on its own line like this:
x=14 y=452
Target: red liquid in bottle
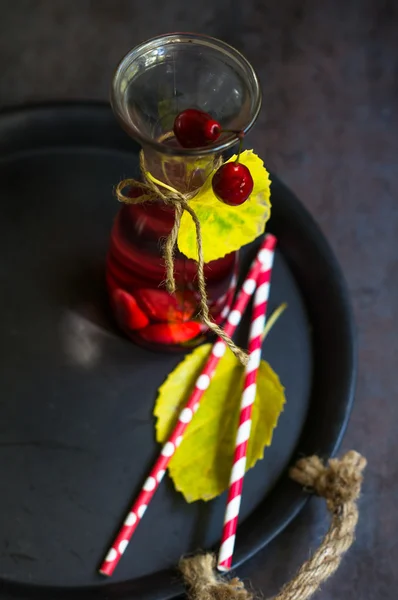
x=136 y=275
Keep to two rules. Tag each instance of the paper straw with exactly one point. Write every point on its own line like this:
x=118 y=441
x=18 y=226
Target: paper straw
x=202 y=383
x=248 y=396
x=228 y=301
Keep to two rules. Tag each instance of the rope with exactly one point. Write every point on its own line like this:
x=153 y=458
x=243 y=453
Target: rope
x=340 y=484
x=153 y=190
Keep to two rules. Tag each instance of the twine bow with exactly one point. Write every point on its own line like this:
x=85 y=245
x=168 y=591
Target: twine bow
x=155 y=190
x=340 y=484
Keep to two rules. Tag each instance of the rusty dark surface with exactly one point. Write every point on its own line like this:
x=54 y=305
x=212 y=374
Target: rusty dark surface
x=329 y=128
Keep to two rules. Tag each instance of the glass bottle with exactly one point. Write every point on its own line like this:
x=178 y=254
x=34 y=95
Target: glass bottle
x=153 y=83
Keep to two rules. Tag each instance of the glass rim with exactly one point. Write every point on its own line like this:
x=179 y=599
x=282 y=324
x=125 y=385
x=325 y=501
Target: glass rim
x=195 y=38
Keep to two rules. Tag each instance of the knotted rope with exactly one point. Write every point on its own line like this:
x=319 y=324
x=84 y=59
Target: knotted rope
x=339 y=483
x=155 y=190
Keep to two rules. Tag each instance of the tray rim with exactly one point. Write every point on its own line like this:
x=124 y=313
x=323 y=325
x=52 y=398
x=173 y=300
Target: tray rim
x=131 y=588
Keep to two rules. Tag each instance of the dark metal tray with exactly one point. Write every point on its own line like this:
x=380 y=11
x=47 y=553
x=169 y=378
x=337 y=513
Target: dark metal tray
x=76 y=428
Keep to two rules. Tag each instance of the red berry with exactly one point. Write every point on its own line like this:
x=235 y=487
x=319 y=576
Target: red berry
x=232 y=183
x=195 y=128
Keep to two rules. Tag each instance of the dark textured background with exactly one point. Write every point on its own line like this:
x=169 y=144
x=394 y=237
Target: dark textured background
x=329 y=128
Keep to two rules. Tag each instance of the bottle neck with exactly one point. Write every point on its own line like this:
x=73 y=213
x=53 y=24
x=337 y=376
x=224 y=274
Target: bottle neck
x=184 y=173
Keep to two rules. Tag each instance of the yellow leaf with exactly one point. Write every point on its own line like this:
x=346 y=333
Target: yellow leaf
x=227 y=228
x=201 y=466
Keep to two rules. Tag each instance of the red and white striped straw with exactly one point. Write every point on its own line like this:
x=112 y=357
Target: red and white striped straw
x=202 y=383
x=248 y=396
x=228 y=299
